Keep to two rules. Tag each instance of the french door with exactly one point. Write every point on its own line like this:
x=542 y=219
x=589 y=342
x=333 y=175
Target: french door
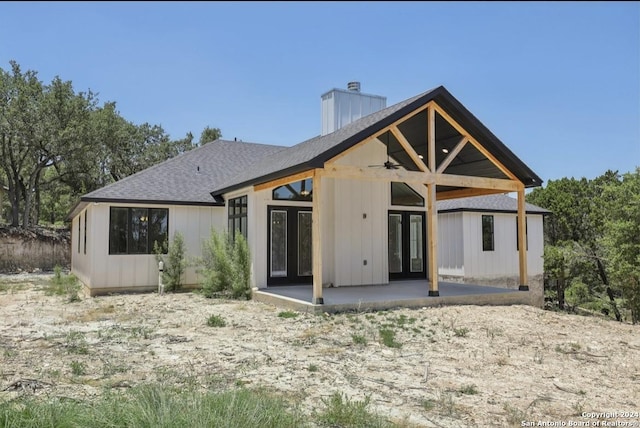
x=289 y=254
x=407 y=246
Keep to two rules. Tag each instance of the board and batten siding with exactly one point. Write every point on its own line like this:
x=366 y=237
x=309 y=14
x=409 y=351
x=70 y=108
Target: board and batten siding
x=503 y=261
x=81 y=260
x=140 y=271
x=451 y=244
x=360 y=218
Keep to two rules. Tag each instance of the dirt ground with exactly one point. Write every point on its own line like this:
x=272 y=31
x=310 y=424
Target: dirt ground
x=452 y=366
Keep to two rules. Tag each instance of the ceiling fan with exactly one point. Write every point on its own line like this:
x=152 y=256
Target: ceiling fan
x=388 y=164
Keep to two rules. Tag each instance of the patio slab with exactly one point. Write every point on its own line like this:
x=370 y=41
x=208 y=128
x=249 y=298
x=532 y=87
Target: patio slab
x=409 y=294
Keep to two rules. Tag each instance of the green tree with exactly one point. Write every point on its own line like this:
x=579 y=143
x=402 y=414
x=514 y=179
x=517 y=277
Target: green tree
x=622 y=239
x=209 y=134
x=175 y=262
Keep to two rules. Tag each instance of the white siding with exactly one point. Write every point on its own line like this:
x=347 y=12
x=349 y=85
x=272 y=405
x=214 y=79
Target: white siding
x=104 y=271
x=450 y=244
x=81 y=262
x=503 y=261
x=359 y=239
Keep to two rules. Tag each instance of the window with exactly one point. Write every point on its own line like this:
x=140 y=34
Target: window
x=487 y=233
x=238 y=216
x=526 y=233
x=402 y=194
x=85 y=231
x=136 y=230
x=79 y=223
x=298 y=191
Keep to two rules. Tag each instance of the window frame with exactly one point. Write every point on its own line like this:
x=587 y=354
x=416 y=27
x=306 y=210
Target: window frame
x=488 y=232
x=143 y=228
x=237 y=215
x=300 y=191
x=411 y=189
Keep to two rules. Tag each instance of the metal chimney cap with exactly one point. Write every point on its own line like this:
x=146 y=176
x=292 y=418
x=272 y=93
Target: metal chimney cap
x=353 y=86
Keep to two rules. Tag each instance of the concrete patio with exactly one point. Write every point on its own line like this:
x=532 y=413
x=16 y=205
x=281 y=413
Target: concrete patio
x=407 y=294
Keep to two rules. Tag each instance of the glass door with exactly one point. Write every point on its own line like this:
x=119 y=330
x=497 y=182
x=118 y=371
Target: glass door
x=290 y=255
x=406 y=245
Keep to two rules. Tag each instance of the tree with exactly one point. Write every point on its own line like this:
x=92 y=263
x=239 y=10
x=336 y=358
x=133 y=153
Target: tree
x=209 y=134
x=577 y=235
x=622 y=239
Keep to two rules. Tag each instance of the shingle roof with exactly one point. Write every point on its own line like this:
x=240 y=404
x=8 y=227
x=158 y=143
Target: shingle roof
x=187 y=178
x=314 y=152
x=489 y=203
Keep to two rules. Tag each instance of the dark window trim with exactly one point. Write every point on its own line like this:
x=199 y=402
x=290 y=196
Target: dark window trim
x=128 y=234
x=296 y=195
x=410 y=189
x=238 y=209
x=85 y=231
x=79 y=234
x=488 y=242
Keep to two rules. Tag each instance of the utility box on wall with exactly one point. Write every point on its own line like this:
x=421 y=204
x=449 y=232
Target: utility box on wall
x=341 y=107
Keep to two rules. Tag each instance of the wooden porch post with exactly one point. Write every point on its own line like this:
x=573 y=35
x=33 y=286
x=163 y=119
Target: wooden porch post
x=316 y=236
x=432 y=208
x=432 y=237
x=522 y=239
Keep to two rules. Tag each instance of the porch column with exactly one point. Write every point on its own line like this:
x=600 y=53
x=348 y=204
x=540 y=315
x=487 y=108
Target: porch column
x=522 y=239
x=432 y=236
x=316 y=237
x=432 y=208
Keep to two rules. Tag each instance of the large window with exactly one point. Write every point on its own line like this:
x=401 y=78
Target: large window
x=136 y=230
x=298 y=191
x=487 y=233
x=403 y=194
x=238 y=216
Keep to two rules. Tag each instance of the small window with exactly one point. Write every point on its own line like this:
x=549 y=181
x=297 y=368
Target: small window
x=136 y=230
x=526 y=233
x=85 y=231
x=403 y=194
x=79 y=224
x=487 y=233
x=238 y=216
x=298 y=191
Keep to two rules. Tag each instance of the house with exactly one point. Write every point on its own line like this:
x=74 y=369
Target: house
x=479 y=242
x=355 y=205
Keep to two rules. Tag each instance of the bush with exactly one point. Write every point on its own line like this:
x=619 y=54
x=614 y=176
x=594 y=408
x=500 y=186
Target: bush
x=216 y=321
x=226 y=266
x=175 y=264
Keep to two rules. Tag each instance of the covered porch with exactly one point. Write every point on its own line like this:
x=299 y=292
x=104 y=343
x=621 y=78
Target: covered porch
x=406 y=294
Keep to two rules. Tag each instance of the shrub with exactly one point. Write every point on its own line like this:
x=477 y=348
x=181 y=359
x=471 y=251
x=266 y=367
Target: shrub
x=578 y=293
x=340 y=411
x=287 y=314
x=175 y=264
x=226 y=266
x=216 y=321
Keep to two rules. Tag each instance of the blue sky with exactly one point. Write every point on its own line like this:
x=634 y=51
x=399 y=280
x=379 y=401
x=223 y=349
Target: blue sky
x=557 y=82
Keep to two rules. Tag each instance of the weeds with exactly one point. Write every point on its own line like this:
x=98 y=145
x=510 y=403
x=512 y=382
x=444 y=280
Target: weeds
x=340 y=411
x=460 y=332
x=313 y=368
x=388 y=338
x=359 y=339
x=76 y=343
x=78 y=368
x=288 y=314
x=64 y=285
x=216 y=321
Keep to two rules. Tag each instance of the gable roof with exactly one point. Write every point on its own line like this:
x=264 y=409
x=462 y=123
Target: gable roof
x=314 y=152
x=488 y=203
x=185 y=179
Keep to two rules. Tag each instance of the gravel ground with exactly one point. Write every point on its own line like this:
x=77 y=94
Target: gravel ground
x=452 y=366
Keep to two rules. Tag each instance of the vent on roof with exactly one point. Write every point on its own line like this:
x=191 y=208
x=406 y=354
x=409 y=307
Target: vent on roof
x=340 y=107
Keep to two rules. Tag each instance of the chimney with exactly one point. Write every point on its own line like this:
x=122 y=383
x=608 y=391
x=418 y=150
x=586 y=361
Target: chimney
x=341 y=107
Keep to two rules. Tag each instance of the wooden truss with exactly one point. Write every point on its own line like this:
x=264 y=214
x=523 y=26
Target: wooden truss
x=430 y=175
